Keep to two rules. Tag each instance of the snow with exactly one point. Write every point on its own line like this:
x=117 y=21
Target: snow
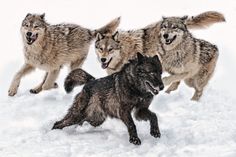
x=206 y=128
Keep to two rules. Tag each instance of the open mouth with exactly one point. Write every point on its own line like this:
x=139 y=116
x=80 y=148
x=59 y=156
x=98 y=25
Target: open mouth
x=31 y=39
x=105 y=65
x=153 y=90
x=169 y=41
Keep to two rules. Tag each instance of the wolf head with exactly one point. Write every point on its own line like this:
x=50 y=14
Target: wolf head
x=33 y=28
x=107 y=48
x=147 y=72
x=173 y=30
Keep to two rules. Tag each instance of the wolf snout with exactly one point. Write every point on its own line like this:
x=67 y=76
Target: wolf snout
x=29 y=34
x=165 y=36
x=161 y=87
x=103 y=60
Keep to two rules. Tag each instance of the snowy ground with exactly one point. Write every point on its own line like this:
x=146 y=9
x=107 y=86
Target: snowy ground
x=204 y=129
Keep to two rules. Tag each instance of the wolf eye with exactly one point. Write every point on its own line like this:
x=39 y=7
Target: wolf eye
x=164 y=26
x=26 y=25
x=110 y=49
x=36 y=26
x=174 y=27
x=100 y=48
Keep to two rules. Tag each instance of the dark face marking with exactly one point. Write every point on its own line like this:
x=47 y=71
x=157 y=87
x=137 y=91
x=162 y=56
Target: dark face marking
x=149 y=70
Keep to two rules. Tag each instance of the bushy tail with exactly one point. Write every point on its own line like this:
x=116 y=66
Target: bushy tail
x=204 y=20
x=109 y=28
x=75 y=78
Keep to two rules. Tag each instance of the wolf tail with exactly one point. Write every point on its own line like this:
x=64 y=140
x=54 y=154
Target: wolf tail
x=109 y=28
x=75 y=78
x=205 y=20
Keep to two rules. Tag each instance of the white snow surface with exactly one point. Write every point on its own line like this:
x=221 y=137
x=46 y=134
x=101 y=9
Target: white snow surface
x=189 y=129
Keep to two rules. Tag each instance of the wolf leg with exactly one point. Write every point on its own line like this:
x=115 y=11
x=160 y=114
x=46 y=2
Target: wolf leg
x=38 y=88
x=146 y=114
x=174 y=78
x=26 y=68
x=68 y=120
x=76 y=114
x=50 y=80
x=197 y=95
x=128 y=120
x=173 y=87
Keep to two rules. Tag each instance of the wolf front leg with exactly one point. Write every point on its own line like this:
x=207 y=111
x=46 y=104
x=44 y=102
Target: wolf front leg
x=128 y=120
x=146 y=114
x=25 y=69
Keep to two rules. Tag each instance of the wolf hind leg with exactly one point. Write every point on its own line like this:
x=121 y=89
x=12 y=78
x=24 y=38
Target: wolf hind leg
x=51 y=77
x=172 y=87
x=146 y=114
x=76 y=114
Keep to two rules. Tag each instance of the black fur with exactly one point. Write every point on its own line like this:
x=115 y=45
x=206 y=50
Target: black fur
x=117 y=95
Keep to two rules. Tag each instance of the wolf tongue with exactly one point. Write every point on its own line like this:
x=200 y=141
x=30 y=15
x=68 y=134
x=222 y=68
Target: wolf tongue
x=104 y=65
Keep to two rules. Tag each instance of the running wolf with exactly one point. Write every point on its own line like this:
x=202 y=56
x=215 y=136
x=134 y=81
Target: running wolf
x=114 y=50
x=185 y=57
x=116 y=95
x=49 y=47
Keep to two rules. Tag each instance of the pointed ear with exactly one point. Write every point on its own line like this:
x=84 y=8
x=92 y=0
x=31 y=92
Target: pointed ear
x=115 y=36
x=42 y=16
x=140 y=57
x=184 y=18
x=99 y=36
x=163 y=17
x=156 y=58
x=29 y=14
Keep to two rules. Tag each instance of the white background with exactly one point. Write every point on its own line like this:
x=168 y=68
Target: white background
x=207 y=128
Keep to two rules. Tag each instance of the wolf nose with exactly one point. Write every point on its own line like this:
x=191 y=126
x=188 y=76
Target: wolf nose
x=29 y=33
x=103 y=60
x=165 y=36
x=161 y=86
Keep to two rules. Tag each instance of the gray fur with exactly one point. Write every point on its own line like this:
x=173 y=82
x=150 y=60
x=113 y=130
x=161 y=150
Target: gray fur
x=49 y=47
x=185 y=57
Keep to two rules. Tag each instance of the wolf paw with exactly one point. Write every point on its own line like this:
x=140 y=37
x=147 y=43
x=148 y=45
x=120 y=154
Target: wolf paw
x=34 y=91
x=55 y=85
x=135 y=140
x=155 y=134
x=12 y=92
x=57 y=125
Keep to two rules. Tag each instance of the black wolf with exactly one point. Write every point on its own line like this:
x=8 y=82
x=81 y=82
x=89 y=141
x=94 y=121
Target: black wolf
x=117 y=95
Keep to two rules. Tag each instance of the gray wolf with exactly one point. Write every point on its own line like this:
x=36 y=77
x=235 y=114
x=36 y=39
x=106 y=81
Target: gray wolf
x=117 y=95
x=185 y=57
x=49 y=47
x=114 y=50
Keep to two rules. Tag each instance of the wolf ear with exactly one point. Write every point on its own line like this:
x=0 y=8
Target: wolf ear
x=99 y=36
x=184 y=18
x=29 y=14
x=156 y=58
x=140 y=57
x=42 y=16
x=163 y=18
x=115 y=36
